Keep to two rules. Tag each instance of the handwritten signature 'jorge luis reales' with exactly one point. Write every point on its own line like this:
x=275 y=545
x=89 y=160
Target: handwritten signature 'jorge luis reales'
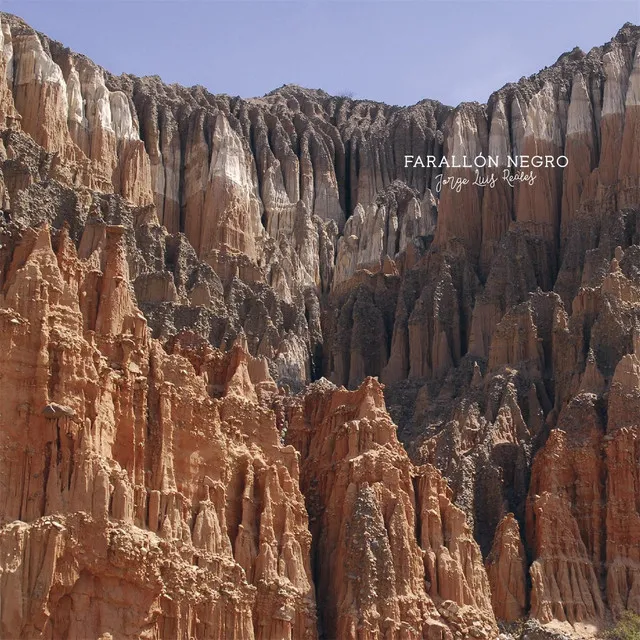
x=456 y=183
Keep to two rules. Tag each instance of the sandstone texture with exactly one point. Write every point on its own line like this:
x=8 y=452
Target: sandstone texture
x=131 y=481
x=259 y=379
x=366 y=502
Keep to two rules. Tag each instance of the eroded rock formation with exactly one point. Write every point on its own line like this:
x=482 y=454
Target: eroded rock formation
x=173 y=264
x=136 y=474
x=366 y=503
x=131 y=479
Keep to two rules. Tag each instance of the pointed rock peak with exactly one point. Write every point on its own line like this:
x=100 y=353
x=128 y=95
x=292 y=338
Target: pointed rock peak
x=580 y=115
x=34 y=249
x=241 y=342
x=506 y=568
x=592 y=380
x=256 y=368
x=240 y=384
x=117 y=312
x=370 y=398
x=43 y=239
x=65 y=246
x=359 y=212
x=626 y=377
x=575 y=54
x=614 y=265
x=115 y=252
x=627 y=32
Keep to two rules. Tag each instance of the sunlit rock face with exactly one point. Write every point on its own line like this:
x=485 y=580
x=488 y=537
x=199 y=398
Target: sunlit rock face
x=366 y=503
x=506 y=566
x=135 y=480
x=197 y=295
x=64 y=104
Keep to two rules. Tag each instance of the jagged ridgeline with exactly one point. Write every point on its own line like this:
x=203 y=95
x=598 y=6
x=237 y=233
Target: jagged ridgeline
x=197 y=293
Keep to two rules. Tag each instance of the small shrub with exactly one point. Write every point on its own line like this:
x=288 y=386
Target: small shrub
x=627 y=628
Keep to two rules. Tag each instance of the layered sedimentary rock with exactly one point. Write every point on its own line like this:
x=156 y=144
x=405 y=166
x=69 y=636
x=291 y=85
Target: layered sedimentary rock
x=171 y=465
x=498 y=422
x=621 y=461
x=289 y=232
x=263 y=187
x=565 y=519
x=67 y=109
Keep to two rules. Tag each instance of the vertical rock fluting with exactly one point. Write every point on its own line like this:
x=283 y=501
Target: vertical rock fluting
x=131 y=479
x=501 y=318
x=403 y=562
x=622 y=452
x=460 y=208
x=204 y=157
x=515 y=231
x=580 y=148
x=484 y=424
x=506 y=569
x=585 y=474
x=65 y=106
x=497 y=203
x=292 y=166
x=565 y=519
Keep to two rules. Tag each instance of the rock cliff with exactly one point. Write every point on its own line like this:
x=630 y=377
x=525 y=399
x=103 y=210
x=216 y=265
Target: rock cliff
x=403 y=562
x=197 y=293
x=154 y=480
x=131 y=479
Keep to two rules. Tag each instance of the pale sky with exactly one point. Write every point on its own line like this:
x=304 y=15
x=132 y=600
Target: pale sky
x=394 y=51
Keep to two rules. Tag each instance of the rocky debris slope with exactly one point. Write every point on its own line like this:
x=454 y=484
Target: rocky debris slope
x=287 y=231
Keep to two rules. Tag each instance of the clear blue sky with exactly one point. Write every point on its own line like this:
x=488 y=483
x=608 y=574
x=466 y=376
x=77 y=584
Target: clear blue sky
x=395 y=51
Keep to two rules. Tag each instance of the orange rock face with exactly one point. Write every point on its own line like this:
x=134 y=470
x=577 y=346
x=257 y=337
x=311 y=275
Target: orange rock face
x=581 y=516
x=506 y=569
x=177 y=268
x=566 y=532
x=135 y=475
x=129 y=482
x=64 y=104
x=403 y=561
